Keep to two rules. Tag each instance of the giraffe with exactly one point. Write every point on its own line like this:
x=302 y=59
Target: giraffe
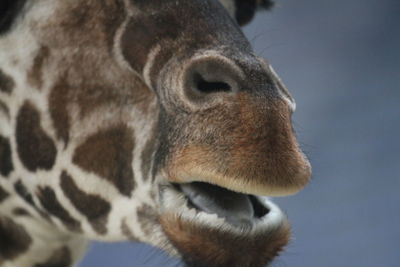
x=150 y=121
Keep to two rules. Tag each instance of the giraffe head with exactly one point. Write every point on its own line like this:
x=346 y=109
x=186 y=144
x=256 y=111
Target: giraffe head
x=166 y=100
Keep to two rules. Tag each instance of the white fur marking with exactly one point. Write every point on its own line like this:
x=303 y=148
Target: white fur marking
x=149 y=63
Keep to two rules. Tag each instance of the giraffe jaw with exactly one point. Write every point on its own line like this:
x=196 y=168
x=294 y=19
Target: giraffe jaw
x=206 y=239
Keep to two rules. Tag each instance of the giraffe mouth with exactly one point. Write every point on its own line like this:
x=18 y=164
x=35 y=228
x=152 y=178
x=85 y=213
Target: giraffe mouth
x=216 y=206
x=236 y=208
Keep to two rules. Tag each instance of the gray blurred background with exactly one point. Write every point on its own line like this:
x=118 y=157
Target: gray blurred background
x=341 y=61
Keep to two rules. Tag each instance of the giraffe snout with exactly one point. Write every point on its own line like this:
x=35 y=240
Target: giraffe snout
x=236 y=131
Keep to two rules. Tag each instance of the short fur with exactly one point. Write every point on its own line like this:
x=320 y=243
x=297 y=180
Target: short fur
x=104 y=104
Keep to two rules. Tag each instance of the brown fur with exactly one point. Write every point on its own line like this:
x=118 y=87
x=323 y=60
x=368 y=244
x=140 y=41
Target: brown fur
x=58 y=110
x=14 y=240
x=21 y=212
x=4 y=109
x=35 y=148
x=250 y=143
x=203 y=246
x=3 y=194
x=240 y=138
x=6 y=83
x=86 y=24
x=172 y=25
x=50 y=203
x=136 y=51
x=6 y=165
x=82 y=80
x=22 y=191
x=108 y=154
x=35 y=75
x=92 y=206
x=90 y=95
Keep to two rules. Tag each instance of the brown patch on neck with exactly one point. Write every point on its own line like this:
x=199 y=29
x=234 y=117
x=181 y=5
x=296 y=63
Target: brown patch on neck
x=21 y=212
x=14 y=239
x=35 y=75
x=58 y=101
x=121 y=94
x=6 y=83
x=85 y=24
x=3 y=194
x=50 y=203
x=109 y=154
x=6 y=165
x=35 y=148
x=60 y=258
x=92 y=206
x=4 y=109
x=22 y=191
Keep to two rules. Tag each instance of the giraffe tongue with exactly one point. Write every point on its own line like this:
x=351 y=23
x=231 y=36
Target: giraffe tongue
x=236 y=208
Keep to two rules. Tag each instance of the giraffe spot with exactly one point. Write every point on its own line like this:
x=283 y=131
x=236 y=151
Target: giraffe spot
x=58 y=100
x=60 y=258
x=6 y=83
x=87 y=24
x=8 y=12
x=3 y=194
x=20 y=212
x=14 y=240
x=21 y=190
x=4 y=109
x=6 y=165
x=147 y=218
x=88 y=97
x=108 y=154
x=35 y=148
x=35 y=74
x=50 y=203
x=92 y=206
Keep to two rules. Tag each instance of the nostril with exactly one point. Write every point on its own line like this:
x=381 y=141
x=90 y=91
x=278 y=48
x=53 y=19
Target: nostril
x=208 y=80
x=207 y=87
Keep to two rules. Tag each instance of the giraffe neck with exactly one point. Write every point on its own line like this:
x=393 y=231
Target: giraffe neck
x=60 y=121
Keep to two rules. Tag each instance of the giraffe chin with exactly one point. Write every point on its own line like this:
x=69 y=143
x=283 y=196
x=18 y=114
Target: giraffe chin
x=212 y=236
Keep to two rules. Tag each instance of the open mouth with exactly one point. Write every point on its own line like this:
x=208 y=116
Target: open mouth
x=215 y=206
